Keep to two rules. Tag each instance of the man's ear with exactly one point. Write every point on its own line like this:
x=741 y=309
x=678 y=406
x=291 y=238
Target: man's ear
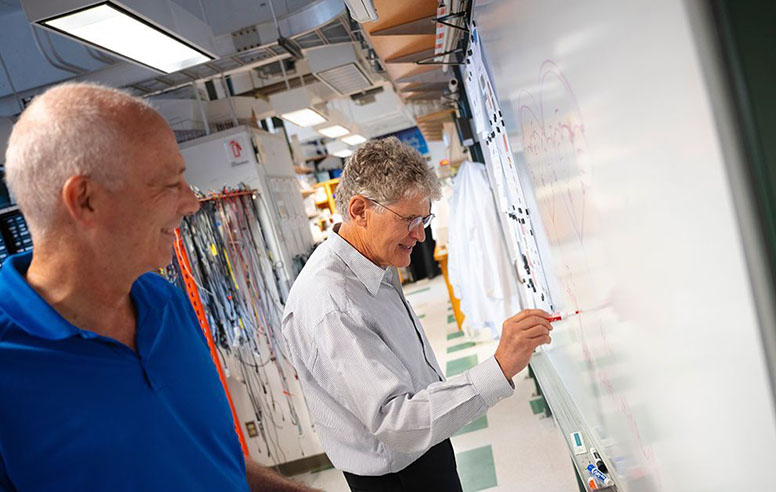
x=357 y=208
x=77 y=196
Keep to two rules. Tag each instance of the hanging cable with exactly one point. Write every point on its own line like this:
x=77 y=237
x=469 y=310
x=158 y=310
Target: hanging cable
x=280 y=35
x=238 y=286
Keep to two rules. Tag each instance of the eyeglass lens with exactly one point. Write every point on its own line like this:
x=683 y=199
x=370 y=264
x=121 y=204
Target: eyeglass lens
x=414 y=223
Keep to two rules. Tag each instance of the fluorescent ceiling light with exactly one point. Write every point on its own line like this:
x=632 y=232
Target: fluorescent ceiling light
x=112 y=28
x=343 y=153
x=333 y=131
x=304 y=117
x=354 y=139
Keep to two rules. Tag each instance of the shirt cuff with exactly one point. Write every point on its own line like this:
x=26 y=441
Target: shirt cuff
x=489 y=381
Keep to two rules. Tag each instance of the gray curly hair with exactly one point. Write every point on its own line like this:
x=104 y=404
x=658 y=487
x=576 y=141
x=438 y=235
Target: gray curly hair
x=387 y=171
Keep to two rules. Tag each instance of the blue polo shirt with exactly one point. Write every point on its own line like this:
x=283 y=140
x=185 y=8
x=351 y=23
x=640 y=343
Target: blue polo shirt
x=83 y=412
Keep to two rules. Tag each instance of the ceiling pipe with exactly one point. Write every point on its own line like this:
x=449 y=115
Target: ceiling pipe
x=78 y=70
x=99 y=56
x=45 y=54
x=202 y=111
x=10 y=82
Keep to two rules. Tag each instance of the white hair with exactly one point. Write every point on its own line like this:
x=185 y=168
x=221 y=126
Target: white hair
x=73 y=129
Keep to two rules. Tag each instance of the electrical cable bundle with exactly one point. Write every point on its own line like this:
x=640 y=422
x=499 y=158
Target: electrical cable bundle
x=233 y=270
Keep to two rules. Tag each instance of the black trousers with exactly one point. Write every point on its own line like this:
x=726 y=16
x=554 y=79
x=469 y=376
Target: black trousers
x=435 y=471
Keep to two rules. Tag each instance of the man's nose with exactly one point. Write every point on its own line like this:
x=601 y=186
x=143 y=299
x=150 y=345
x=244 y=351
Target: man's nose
x=418 y=233
x=190 y=203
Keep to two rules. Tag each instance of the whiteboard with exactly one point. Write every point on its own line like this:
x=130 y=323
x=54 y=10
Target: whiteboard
x=617 y=144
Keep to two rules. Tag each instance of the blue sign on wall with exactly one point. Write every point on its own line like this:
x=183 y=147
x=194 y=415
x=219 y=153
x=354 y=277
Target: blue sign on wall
x=411 y=137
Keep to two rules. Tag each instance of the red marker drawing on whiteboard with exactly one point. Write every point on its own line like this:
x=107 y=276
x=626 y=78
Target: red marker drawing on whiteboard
x=562 y=315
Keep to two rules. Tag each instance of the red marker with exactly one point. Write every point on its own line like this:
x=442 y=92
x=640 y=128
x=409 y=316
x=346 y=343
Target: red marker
x=562 y=315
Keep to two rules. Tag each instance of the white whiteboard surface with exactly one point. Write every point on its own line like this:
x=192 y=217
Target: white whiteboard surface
x=613 y=127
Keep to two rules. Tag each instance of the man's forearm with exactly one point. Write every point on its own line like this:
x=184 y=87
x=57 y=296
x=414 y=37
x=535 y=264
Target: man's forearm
x=264 y=479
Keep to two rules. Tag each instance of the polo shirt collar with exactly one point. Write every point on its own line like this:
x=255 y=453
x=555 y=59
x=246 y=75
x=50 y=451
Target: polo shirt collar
x=35 y=316
x=25 y=306
x=367 y=272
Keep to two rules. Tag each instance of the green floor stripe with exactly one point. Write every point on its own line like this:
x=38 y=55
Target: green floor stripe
x=538 y=405
x=450 y=318
x=474 y=425
x=417 y=291
x=454 y=334
x=476 y=469
x=421 y=316
x=321 y=468
x=460 y=346
x=457 y=366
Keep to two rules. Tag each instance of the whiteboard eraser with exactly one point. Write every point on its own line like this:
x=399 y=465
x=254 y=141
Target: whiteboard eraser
x=577 y=443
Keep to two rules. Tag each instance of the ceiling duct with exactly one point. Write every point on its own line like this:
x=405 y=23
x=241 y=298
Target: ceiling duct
x=291 y=47
x=362 y=10
x=346 y=79
x=366 y=97
x=340 y=68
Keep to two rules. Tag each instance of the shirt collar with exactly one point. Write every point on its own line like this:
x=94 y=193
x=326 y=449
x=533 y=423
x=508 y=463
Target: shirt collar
x=33 y=314
x=367 y=272
x=25 y=306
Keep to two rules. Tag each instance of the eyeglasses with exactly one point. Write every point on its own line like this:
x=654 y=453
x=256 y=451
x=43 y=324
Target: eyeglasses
x=412 y=222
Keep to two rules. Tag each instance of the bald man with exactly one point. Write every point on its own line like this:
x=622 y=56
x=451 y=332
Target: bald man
x=106 y=382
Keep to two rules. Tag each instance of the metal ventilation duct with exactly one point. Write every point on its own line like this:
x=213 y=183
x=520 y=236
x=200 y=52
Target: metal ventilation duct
x=339 y=67
x=345 y=79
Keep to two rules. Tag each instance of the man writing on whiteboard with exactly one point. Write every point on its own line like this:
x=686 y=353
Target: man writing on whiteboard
x=382 y=407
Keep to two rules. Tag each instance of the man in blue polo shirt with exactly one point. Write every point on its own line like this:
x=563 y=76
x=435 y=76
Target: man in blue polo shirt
x=105 y=379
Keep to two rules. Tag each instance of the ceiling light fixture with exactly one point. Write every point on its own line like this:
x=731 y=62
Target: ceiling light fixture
x=333 y=131
x=354 y=139
x=112 y=28
x=304 y=117
x=344 y=153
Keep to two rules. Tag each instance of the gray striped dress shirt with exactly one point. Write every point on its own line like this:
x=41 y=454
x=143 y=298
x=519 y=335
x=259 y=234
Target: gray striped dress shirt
x=375 y=391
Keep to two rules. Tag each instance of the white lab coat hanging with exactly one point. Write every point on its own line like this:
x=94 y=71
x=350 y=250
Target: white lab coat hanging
x=478 y=262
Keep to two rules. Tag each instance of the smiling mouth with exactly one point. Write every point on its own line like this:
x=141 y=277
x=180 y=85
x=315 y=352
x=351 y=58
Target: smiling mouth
x=406 y=248
x=171 y=232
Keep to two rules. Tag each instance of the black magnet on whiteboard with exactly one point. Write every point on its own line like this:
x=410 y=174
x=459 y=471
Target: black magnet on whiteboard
x=492 y=134
x=542 y=297
x=498 y=129
x=520 y=210
x=527 y=212
x=499 y=113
